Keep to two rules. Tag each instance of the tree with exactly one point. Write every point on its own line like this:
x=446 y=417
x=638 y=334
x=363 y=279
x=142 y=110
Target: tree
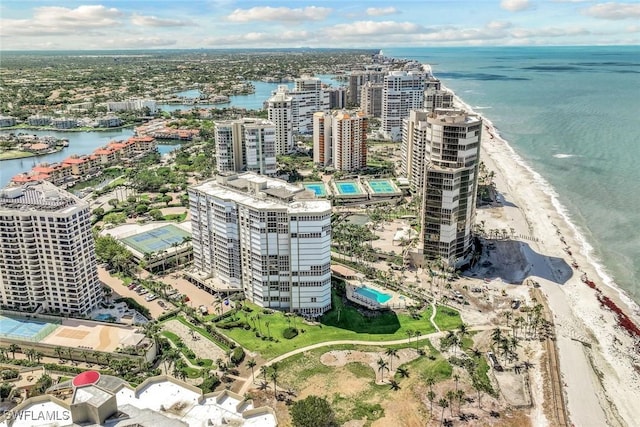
x=394 y=385
x=391 y=352
x=431 y=396
x=403 y=372
x=5 y=391
x=274 y=377
x=444 y=404
x=382 y=366
x=313 y=411
x=450 y=395
x=13 y=348
x=252 y=364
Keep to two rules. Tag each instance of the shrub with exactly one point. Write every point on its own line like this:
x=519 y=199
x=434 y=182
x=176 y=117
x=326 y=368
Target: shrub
x=9 y=374
x=290 y=333
x=237 y=356
x=231 y=325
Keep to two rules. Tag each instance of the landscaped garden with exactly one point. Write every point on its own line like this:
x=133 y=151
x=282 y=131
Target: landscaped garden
x=263 y=330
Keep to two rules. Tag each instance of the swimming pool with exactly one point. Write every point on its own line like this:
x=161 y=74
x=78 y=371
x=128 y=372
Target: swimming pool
x=348 y=187
x=25 y=329
x=373 y=294
x=317 y=188
x=104 y=317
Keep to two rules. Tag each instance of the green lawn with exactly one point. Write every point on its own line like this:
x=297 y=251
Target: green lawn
x=341 y=323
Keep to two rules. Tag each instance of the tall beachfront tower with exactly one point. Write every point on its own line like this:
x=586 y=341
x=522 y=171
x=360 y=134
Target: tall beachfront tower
x=246 y=144
x=402 y=91
x=265 y=237
x=322 y=153
x=47 y=253
x=280 y=113
x=358 y=78
x=371 y=99
x=447 y=143
x=340 y=140
x=308 y=98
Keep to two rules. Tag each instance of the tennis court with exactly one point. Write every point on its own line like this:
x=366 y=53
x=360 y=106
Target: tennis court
x=156 y=240
x=382 y=186
x=25 y=329
x=348 y=188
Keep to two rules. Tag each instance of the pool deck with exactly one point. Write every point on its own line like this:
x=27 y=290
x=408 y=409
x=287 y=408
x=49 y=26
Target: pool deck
x=397 y=301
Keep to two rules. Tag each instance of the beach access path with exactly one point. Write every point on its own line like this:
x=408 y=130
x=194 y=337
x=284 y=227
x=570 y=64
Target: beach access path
x=601 y=385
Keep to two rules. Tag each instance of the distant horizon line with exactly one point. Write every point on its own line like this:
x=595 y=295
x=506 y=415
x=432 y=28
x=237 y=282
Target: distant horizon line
x=157 y=49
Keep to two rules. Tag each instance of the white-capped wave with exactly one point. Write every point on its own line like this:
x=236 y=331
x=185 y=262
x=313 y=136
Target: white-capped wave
x=478 y=107
x=563 y=156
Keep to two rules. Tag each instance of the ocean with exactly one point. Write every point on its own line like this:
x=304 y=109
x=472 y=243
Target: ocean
x=572 y=114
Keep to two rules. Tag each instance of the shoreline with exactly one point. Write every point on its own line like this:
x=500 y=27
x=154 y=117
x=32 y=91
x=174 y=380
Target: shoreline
x=599 y=364
x=80 y=129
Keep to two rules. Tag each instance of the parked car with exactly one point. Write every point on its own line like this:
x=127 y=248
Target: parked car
x=131 y=286
x=162 y=304
x=150 y=297
x=144 y=291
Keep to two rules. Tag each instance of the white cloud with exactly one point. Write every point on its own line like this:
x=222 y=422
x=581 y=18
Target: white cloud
x=515 y=5
x=252 y=39
x=364 y=28
x=138 y=42
x=50 y=20
x=153 y=21
x=381 y=11
x=498 y=25
x=285 y=14
x=614 y=11
x=549 y=32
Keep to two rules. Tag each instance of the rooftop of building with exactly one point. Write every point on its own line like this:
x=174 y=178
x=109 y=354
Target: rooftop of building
x=454 y=116
x=38 y=196
x=262 y=192
x=159 y=401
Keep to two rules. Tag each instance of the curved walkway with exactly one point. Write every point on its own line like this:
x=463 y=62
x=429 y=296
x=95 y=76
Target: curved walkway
x=284 y=356
x=433 y=314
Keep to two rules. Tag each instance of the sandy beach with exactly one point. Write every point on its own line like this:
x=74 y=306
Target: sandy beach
x=599 y=361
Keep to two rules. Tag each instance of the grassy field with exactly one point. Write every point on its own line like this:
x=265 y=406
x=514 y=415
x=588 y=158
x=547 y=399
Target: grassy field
x=351 y=389
x=15 y=154
x=264 y=333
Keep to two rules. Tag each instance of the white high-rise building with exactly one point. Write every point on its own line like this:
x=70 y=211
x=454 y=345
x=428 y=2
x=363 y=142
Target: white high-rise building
x=280 y=113
x=47 y=251
x=402 y=91
x=265 y=237
x=443 y=150
x=435 y=97
x=308 y=99
x=246 y=144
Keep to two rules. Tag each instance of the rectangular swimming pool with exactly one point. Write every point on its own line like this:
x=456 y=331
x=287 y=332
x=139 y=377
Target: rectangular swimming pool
x=317 y=188
x=373 y=294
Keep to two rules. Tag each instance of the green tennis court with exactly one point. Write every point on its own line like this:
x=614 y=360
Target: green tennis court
x=156 y=240
x=382 y=186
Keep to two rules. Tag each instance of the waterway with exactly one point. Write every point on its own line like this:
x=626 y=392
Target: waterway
x=252 y=101
x=80 y=143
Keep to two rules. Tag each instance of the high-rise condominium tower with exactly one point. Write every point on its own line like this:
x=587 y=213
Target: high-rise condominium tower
x=441 y=156
x=47 y=252
x=340 y=140
x=246 y=144
x=402 y=91
x=265 y=237
x=280 y=113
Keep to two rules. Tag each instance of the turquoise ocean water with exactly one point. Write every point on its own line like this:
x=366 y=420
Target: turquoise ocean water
x=573 y=115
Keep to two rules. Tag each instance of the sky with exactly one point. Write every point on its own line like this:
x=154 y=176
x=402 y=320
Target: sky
x=195 y=24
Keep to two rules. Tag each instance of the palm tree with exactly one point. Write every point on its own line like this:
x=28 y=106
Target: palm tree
x=430 y=381
x=456 y=378
x=13 y=348
x=382 y=365
x=444 y=404
x=431 y=396
x=264 y=370
x=403 y=372
x=417 y=335
x=274 y=376
x=252 y=364
x=391 y=352
x=496 y=335
x=450 y=395
x=460 y=397
x=394 y=385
